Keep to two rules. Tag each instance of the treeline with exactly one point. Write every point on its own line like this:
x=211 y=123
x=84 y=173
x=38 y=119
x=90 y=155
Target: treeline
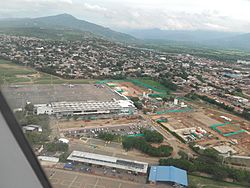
x=210 y=100
x=142 y=145
x=245 y=114
x=168 y=84
x=149 y=136
x=211 y=163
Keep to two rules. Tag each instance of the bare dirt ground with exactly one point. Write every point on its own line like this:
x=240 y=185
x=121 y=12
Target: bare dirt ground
x=130 y=89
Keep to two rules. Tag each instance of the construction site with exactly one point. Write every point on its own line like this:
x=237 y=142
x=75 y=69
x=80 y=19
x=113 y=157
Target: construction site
x=207 y=129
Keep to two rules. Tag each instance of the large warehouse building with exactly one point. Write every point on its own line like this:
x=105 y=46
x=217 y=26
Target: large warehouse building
x=112 y=162
x=125 y=107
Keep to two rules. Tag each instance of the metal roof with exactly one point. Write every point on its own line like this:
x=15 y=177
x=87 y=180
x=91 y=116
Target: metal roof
x=91 y=105
x=168 y=174
x=109 y=161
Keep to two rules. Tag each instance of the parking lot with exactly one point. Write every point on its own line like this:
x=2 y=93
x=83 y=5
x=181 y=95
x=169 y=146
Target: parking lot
x=69 y=179
x=122 y=130
x=107 y=172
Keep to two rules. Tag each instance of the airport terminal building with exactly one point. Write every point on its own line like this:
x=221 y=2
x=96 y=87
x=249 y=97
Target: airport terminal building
x=112 y=162
x=119 y=107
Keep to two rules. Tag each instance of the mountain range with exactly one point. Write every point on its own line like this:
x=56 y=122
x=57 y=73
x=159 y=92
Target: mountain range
x=227 y=40
x=66 y=21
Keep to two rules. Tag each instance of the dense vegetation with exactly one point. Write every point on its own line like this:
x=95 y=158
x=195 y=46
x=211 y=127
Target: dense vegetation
x=142 y=145
x=27 y=118
x=137 y=102
x=107 y=136
x=211 y=163
x=152 y=136
x=56 y=146
x=168 y=84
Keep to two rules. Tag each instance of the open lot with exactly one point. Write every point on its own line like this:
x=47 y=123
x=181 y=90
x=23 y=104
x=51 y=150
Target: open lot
x=190 y=127
x=129 y=89
x=17 y=74
x=187 y=120
x=69 y=179
x=202 y=182
x=18 y=95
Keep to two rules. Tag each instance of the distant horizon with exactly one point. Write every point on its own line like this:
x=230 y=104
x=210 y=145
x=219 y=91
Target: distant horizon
x=125 y=29
x=223 y=15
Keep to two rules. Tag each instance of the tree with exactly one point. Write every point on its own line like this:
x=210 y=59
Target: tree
x=106 y=136
x=141 y=144
x=58 y=146
x=220 y=174
x=169 y=84
x=152 y=136
x=29 y=107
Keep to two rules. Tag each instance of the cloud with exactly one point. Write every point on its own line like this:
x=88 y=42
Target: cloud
x=164 y=14
x=94 y=7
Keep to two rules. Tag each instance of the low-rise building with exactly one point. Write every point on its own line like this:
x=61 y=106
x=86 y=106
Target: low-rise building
x=168 y=174
x=119 y=107
x=32 y=128
x=108 y=161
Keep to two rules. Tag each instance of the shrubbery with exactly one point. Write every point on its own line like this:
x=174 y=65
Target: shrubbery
x=107 y=136
x=143 y=146
x=152 y=136
x=58 y=146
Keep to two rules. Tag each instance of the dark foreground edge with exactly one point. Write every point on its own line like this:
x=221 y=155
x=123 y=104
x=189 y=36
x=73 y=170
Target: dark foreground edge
x=22 y=142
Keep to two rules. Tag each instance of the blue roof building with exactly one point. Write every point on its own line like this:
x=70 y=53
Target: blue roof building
x=169 y=174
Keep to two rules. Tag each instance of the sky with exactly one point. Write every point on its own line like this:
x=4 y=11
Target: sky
x=219 y=15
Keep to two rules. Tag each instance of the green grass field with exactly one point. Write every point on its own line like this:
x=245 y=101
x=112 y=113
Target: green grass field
x=153 y=83
x=202 y=182
x=11 y=73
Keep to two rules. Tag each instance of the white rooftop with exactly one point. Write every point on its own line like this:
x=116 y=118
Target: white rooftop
x=224 y=149
x=105 y=160
x=91 y=105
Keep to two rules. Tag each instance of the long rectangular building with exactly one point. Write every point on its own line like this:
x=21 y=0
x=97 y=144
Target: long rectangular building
x=87 y=108
x=104 y=160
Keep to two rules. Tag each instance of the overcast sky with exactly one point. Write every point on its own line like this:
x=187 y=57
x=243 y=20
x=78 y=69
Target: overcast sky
x=222 y=15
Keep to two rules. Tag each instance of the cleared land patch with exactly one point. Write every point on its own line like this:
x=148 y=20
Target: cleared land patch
x=13 y=73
